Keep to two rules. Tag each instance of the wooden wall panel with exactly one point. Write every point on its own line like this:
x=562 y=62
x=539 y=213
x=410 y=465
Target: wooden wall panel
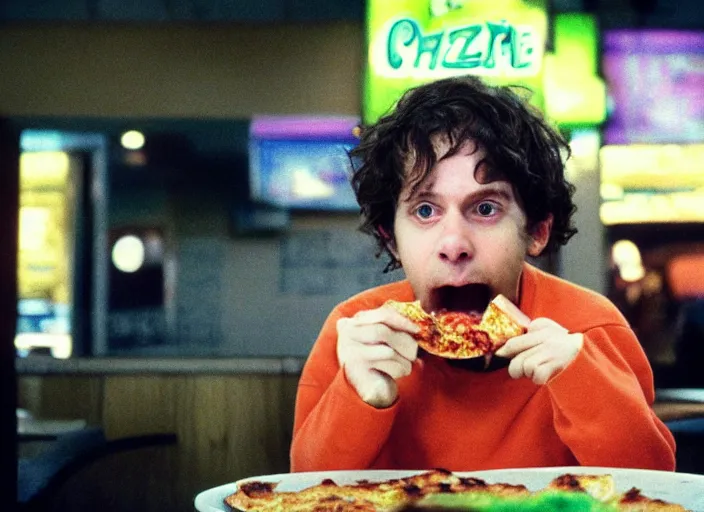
x=62 y=397
x=141 y=404
x=232 y=427
x=160 y=70
x=228 y=427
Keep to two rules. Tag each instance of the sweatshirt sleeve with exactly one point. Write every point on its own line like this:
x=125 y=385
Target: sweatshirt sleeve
x=333 y=428
x=603 y=404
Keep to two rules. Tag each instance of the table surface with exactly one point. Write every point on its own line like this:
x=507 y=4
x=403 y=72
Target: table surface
x=669 y=411
x=37 y=427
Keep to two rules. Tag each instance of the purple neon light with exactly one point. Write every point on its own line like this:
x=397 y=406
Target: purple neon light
x=655 y=80
x=653 y=41
x=303 y=127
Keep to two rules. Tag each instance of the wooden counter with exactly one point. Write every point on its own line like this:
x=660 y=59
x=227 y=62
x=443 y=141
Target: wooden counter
x=670 y=411
x=679 y=404
x=47 y=365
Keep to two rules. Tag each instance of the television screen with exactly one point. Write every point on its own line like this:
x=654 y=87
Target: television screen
x=302 y=163
x=655 y=80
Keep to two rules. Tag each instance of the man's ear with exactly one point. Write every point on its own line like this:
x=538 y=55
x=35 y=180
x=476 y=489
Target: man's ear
x=539 y=236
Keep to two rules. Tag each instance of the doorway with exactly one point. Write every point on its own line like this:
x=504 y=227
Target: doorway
x=61 y=274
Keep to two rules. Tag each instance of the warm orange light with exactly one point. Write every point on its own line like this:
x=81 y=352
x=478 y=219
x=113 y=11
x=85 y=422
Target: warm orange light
x=685 y=275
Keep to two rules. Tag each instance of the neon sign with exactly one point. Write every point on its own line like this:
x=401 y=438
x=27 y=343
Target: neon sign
x=490 y=48
x=410 y=42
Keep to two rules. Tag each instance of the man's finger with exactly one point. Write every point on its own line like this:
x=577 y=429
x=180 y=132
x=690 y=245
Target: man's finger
x=388 y=316
x=543 y=373
x=533 y=360
x=517 y=366
x=375 y=334
x=357 y=329
x=377 y=352
x=394 y=368
x=519 y=344
x=406 y=346
x=371 y=333
x=541 y=323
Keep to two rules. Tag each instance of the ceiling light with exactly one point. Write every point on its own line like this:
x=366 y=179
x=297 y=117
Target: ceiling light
x=132 y=140
x=128 y=253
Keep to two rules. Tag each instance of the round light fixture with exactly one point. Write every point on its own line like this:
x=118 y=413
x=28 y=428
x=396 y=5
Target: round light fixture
x=128 y=253
x=132 y=140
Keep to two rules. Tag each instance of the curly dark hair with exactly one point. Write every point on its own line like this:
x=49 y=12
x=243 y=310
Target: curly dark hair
x=519 y=144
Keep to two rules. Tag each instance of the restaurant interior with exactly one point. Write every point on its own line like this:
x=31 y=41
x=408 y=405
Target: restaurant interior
x=178 y=220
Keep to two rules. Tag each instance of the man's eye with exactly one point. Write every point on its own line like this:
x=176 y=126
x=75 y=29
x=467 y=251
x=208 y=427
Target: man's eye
x=424 y=211
x=486 y=209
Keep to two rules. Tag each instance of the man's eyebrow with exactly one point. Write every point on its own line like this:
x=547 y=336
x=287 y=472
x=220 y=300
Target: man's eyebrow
x=504 y=192
x=486 y=191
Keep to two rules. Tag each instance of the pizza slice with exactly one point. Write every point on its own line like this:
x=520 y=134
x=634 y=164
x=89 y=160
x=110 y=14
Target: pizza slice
x=502 y=321
x=603 y=488
x=459 y=335
x=263 y=497
x=441 y=490
x=362 y=495
x=633 y=501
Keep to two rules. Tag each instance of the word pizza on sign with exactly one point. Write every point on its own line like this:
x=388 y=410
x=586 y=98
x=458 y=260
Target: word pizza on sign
x=490 y=48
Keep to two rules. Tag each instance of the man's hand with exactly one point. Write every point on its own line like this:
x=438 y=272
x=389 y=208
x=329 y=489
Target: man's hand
x=542 y=352
x=375 y=348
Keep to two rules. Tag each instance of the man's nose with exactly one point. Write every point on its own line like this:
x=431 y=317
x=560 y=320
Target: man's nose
x=456 y=244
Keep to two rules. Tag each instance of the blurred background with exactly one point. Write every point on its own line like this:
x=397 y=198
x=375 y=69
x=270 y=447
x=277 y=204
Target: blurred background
x=183 y=223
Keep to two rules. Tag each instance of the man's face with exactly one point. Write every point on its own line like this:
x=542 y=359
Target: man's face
x=461 y=242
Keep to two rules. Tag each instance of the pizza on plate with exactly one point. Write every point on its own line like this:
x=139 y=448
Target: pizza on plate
x=459 y=335
x=440 y=490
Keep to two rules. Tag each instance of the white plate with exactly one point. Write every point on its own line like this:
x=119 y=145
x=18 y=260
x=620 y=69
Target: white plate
x=683 y=488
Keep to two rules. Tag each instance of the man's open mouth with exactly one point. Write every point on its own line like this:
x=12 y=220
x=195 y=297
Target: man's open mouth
x=469 y=298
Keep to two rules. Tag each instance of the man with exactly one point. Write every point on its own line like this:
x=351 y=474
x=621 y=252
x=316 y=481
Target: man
x=459 y=185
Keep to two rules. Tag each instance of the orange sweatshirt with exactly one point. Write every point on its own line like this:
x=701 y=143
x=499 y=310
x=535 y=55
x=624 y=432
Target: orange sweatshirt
x=596 y=412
